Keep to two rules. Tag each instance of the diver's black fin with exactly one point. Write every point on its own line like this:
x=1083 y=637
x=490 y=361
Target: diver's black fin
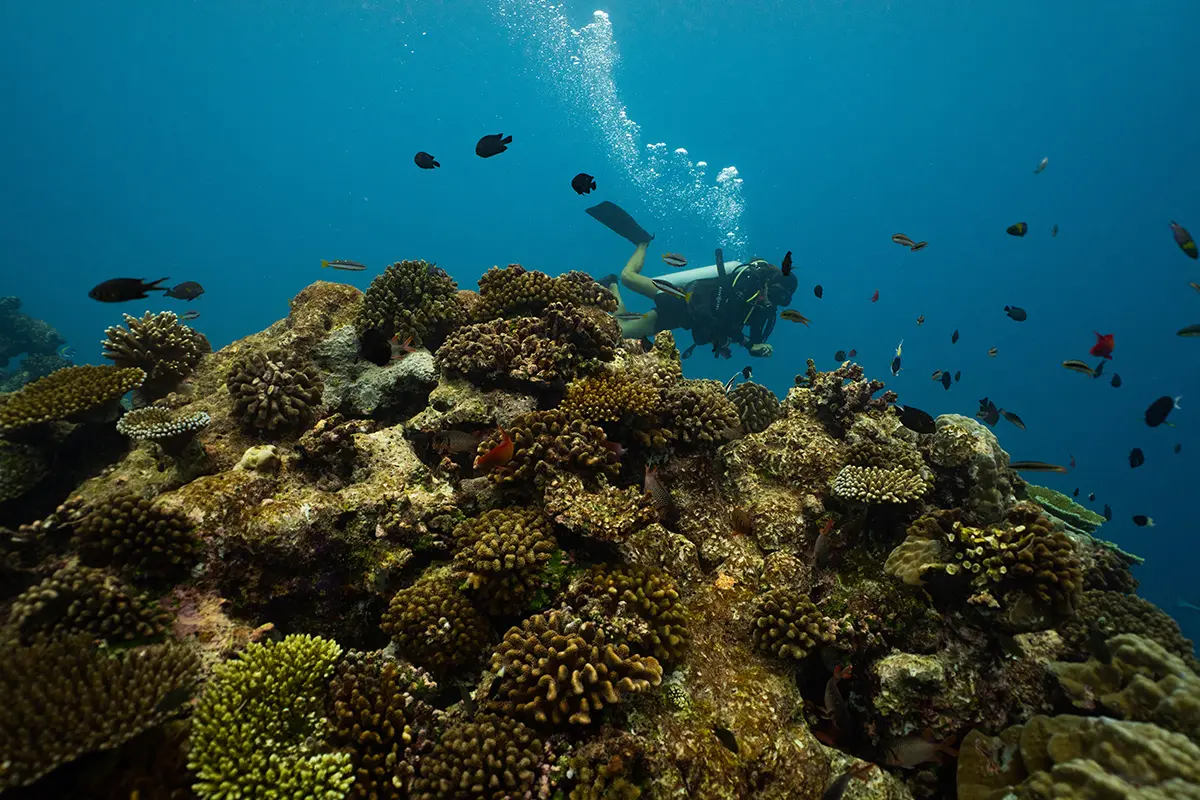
x=615 y=218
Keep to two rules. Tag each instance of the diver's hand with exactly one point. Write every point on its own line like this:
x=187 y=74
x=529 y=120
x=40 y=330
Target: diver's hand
x=761 y=350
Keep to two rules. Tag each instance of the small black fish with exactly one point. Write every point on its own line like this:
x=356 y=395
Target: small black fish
x=1158 y=411
x=838 y=788
x=1098 y=643
x=1136 y=457
x=188 y=316
x=119 y=290
x=425 y=161
x=175 y=698
x=188 y=290
x=1098 y=370
x=1116 y=381
x=747 y=372
x=1178 y=447
x=786 y=269
x=1076 y=492
x=583 y=183
x=957 y=376
x=819 y=291
x=1142 y=521
x=896 y=365
x=1092 y=497
x=946 y=379
x=1107 y=513
x=687 y=353
x=916 y=420
x=988 y=412
x=492 y=144
x=954 y=337
x=839 y=356
x=375 y=347
x=727 y=738
x=1016 y=314
x=1019 y=229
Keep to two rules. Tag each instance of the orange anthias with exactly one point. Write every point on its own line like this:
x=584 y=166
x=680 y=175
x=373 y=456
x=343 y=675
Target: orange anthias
x=499 y=455
x=1104 y=345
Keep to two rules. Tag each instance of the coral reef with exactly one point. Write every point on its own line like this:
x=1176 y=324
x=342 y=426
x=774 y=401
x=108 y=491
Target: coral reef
x=158 y=344
x=559 y=670
x=411 y=300
x=757 y=406
x=155 y=423
x=788 y=625
x=978 y=478
x=607 y=514
x=22 y=467
x=67 y=393
x=502 y=553
x=129 y=533
x=514 y=291
x=273 y=390
x=258 y=726
x=1119 y=612
x=547 y=441
x=836 y=397
x=638 y=606
x=435 y=624
x=489 y=756
x=874 y=485
x=698 y=414
x=21 y=333
x=64 y=698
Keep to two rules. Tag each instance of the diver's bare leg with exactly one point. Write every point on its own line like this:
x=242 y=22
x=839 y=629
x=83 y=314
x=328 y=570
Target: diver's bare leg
x=644 y=326
x=615 y=289
x=632 y=278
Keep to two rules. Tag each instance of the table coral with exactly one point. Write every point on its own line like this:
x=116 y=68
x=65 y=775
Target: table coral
x=155 y=423
x=67 y=393
x=1058 y=505
x=488 y=756
x=258 y=727
x=273 y=391
x=166 y=350
x=411 y=299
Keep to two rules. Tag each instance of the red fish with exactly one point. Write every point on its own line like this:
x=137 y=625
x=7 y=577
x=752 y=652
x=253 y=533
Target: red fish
x=1103 y=346
x=499 y=455
x=1184 y=239
x=875 y=297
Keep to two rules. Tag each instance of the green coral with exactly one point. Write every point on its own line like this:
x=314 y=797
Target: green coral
x=489 y=756
x=558 y=670
x=435 y=624
x=274 y=390
x=502 y=553
x=411 y=299
x=258 y=727
x=788 y=625
x=128 y=532
x=64 y=698
x=78 y=599
x=155 y=423
x=66 y=393
x=757 y=406
x=1076 y=517
x=160 y=345
x=638 y=606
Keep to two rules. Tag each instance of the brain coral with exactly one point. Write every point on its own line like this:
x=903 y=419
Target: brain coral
x=64 y=698
x=557 y=669
x=757 y=406
x=274 y=390
x=489 y=756
x=66 y=393
x=788 y=625
x=874 y=485
x=159 y=345
x=502 y=553
x=435 y=625
x=258 y=727
x=128 y=532
x=411 y=299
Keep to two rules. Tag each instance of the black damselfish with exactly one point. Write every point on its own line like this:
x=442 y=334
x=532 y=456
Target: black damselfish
x=583 y=183
x=492 y=144
x=120 y=290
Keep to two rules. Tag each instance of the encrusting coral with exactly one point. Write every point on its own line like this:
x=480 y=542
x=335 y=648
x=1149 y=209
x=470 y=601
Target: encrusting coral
x=77 y=599
x=558 y=670
x=788 y=625
x=258 y=727
x=757 y=406
x=273 y=390
x=502 y=553
x=435 y=624
x=66 y=393
x=155 y=423
x=874 y=485
x=128 y=532
x=488 y=756
x=64 y=698
x=166 y=350
x=411 y=300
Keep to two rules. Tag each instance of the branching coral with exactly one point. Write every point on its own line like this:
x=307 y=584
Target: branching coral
x=129 y=533
x=638 y=606
x=274 y=390
x=613 y=397
x=501 y=350
x=411 y=299
x=757 y=406
x=22 y=467
x=559 y=670
x=697 y=413
x=788 y=625
x=489 y=756
x=64 y=698
x=258 y=726
x=837 y=397
x=551 y=440
x=159 y=345
x=155 y=423
x=78 y=599
x=67 y=393
x=502 y=553
x=434 y=624
x=517 y=292
x=874 y=485
x=376 y=717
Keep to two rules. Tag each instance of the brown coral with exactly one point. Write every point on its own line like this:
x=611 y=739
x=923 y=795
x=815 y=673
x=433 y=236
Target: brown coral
x=274 y=391
x=517 y=292
x=548 y=441
x=837 y=397
x=1117 y=612
x=128 y=532
x=435 y=625
x=502 y=553
x=697 y=414
x=638 y=606
x=788 y=625
x=607 y=514
x=613 y=397
x=489 y=756
x=67 y=393
x=158 y=344
x=411 y=299
x=757 y=406
x=874 y=485
x=559 y=670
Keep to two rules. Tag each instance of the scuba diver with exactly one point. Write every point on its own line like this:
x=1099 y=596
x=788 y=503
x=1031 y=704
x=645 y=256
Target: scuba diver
x=721 y=305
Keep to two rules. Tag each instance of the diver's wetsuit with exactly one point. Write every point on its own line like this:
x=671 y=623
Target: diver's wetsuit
x=721 y=309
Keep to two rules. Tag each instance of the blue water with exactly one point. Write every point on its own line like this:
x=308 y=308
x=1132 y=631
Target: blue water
x=238 y=143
